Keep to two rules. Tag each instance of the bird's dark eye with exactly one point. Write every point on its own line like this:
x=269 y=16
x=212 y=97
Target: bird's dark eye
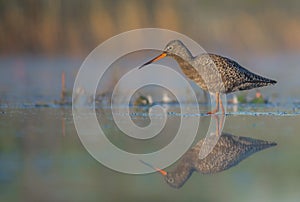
x=171 y=180
x=169 y=48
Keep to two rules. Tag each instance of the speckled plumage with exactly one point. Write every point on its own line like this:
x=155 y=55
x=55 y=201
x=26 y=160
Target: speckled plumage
x=213 y=73
x=228 y=152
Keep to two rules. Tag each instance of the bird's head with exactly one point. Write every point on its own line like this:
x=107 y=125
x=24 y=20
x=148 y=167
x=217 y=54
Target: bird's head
x=171 y=178
x=174 y=47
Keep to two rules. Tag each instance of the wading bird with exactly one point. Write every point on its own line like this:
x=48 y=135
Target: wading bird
x=213 y=73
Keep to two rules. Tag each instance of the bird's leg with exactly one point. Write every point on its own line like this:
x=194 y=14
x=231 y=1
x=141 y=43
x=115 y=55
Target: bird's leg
x=217 y=105
x=216 y=117
x=221 y=105
x=219 y=123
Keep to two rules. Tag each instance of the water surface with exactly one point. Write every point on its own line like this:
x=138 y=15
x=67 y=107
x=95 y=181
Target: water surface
x=42 y=158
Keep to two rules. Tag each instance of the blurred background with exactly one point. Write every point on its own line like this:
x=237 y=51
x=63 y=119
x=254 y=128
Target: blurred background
x=41 y=156
x=74 y=28
x=40 y=39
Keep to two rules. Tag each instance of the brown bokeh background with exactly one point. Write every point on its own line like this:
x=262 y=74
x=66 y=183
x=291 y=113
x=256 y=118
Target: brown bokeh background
x=76 y=27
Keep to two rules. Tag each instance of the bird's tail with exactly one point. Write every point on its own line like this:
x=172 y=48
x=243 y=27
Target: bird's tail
x=260 y=81
x=256 y=81
x=256 y=144
x=263 y=82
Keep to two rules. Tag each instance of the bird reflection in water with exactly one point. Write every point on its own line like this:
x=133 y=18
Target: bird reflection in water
x=228 y=152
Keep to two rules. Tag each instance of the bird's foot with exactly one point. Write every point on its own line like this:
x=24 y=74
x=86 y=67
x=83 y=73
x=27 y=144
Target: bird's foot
x=213 y=112
x=216 y=112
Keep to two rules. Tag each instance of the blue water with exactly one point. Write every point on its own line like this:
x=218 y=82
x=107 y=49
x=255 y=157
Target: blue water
x=42 y=158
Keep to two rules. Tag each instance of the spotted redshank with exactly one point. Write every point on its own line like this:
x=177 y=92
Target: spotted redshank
x=228 y=152
x=213 y=73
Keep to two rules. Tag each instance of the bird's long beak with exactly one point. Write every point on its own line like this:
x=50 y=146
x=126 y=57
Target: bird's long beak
x=164 y=54
x=163 y=172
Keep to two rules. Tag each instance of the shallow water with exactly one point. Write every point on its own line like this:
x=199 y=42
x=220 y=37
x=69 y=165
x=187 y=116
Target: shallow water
x=41 y=157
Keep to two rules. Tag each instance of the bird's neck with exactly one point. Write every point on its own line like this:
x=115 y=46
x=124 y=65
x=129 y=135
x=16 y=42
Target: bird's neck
x=185 y=54
x=182 y=172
